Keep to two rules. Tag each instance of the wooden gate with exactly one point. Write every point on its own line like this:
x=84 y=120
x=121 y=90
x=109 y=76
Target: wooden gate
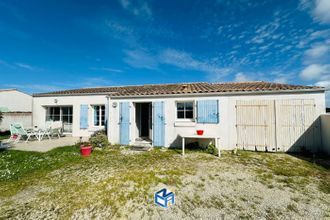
x=298 y=128
x=255 y=125
x=281 y=125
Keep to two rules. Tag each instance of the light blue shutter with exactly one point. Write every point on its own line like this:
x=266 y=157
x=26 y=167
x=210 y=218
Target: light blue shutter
x=83 y=116
x=158 y=124
x=124 y=122
x=208 y=111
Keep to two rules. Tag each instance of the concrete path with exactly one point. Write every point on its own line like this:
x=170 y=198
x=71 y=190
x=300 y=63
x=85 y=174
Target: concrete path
x=46 y=144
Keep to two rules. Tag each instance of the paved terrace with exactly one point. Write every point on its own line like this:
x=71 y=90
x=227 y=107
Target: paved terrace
x=46 y=144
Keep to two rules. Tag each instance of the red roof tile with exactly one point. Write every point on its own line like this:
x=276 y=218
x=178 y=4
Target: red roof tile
x=183 y=88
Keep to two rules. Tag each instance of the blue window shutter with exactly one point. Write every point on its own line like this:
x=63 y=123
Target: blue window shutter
x=158 y=124
x=124 y=122
x=83 y=116
x=208 y=111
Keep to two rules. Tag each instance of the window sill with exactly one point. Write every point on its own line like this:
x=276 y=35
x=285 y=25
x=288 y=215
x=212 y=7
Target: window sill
x=184 y=124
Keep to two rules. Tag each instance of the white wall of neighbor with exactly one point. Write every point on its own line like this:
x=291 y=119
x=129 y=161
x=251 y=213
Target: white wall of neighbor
x=25 y=118
x=39 y=111
x=15 y=101
x=225 y=129
x=325 y=129
x=19 y=107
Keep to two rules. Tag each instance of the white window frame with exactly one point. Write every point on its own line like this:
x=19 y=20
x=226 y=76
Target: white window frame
x=100 y=115
x=185 y=119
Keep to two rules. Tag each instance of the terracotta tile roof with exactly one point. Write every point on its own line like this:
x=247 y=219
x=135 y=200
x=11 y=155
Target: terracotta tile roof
x=183 y=88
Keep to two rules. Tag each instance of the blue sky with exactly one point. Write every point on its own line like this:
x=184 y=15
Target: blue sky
x=53 y=45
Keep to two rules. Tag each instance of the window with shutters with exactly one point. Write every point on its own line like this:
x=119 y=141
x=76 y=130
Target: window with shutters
x=185 y=110
x=99 y=115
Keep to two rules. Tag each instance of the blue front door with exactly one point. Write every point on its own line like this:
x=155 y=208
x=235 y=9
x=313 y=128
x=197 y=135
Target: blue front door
x=158 y=124
x=124 y=122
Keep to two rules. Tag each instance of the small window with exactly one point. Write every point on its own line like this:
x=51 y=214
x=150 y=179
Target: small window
x=99 y=115
x=185 y=110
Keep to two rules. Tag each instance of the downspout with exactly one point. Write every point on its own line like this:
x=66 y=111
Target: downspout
x=107 y=113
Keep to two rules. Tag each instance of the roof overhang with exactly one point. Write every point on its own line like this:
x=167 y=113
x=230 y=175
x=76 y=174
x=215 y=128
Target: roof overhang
x=294 y=91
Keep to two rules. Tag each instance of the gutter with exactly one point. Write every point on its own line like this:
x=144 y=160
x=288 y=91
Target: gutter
x=73 y=94
x=191 y=94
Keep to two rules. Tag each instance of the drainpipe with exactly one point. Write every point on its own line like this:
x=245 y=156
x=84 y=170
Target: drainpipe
x=107 y=110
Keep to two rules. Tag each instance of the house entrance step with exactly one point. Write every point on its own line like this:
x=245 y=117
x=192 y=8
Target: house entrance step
x=140 y=148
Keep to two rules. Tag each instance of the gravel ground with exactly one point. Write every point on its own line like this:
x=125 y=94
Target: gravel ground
x=211 y=188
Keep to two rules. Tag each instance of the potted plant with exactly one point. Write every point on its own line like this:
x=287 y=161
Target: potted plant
x=85 y=149
x=200 y=132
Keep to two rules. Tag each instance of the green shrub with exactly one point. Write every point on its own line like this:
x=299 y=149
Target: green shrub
x=99 y=139
x=211 y=149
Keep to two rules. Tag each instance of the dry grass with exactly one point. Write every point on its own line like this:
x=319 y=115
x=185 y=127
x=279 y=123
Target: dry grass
x=112 y=183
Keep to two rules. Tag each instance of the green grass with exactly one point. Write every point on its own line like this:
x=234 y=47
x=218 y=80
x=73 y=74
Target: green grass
x=133 y=177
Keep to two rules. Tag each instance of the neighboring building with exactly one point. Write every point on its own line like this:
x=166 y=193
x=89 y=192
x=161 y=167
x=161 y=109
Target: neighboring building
x=328 y=110
x=249 y=115
x=15 y=106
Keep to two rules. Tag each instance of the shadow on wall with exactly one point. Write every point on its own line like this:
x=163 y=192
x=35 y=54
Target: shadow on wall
x=307 y=142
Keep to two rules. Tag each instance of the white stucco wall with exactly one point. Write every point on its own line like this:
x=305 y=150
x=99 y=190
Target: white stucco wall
x=15 y=101
x=19 y=107
x=39 y=111
x=226 y=129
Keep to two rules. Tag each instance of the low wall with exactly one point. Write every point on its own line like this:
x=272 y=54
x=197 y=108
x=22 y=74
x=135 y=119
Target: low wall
x=25 y=118
x=325 y=129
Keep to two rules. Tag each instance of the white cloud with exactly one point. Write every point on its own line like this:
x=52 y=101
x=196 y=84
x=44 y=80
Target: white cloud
x=185 y=61
x=106 y=69
x=321 y=11
x=25 y=66
x=315 y=71
x=137 y=8
x=241 y=77
x=140 y=58
x=317 y=51
x=325 y=84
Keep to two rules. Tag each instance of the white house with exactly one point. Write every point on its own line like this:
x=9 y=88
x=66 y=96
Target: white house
x=15 y=106
x=250 y=115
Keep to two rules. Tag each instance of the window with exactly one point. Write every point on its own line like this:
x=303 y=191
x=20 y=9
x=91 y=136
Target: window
x=99 y=115
x=185 y=110
x=61 y=113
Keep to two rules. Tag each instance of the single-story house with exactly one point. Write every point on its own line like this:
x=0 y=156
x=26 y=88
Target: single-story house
x=248 y=115
x=16 y=106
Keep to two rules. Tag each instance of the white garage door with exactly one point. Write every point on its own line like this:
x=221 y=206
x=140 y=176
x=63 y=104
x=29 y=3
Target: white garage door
x=255 y=125
x=297 y=125
x=281 y=125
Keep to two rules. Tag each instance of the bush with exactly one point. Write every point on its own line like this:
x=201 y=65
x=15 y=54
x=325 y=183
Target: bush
x=211 y=149
x=99 y=139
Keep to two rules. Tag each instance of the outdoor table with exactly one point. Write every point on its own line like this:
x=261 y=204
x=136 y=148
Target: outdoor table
x=39 y=133
x=216 y=141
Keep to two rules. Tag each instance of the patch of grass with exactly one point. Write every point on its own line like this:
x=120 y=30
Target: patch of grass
x=24 y=167
x=292 y=207
x=324 y=185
